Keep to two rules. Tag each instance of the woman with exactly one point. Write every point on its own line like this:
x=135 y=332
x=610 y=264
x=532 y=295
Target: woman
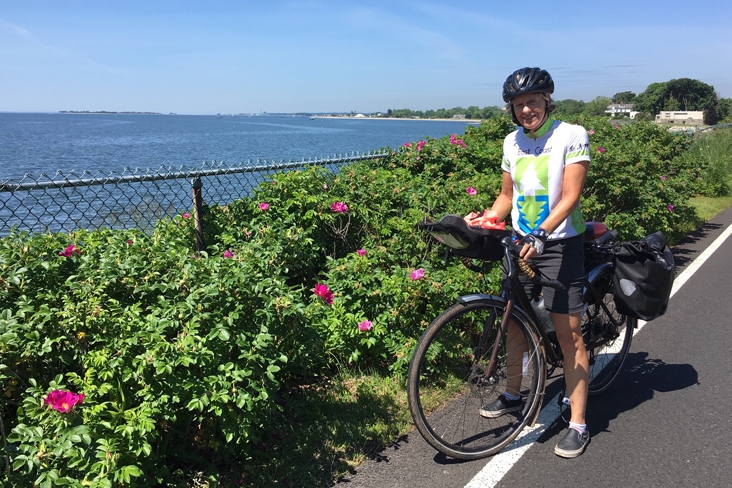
x=545 y=163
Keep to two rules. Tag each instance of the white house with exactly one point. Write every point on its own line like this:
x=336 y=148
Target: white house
x=619 y=109
x=679 y=117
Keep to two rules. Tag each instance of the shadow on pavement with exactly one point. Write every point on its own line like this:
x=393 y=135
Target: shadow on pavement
x=682 y=251
x=640 y=378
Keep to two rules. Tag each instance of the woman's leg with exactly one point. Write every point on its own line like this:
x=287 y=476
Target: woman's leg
x=516 y=346
x=576 y=363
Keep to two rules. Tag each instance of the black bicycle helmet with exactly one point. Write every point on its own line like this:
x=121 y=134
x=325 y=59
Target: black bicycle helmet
x=527 y=80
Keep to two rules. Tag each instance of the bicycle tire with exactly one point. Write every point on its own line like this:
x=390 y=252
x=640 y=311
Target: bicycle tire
x=607 y=344
x=446 y=389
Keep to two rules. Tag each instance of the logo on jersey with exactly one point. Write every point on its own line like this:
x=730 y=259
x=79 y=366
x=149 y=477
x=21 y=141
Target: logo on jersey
x=532 y=180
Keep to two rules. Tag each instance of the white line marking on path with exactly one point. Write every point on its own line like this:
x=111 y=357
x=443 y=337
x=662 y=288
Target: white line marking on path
x=502 y=462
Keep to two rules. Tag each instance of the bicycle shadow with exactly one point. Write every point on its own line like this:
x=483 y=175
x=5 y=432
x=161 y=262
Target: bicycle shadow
x=639 y=380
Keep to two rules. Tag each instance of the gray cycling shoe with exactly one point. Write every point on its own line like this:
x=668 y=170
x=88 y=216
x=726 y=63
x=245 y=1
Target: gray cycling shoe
x=501 y=406
x=572 y=444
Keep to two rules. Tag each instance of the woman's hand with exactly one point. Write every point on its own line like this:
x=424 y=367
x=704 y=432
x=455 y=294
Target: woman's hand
x=533 y=244
x=483 y=214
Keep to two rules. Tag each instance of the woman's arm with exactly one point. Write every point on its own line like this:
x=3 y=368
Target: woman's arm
x=504 y=201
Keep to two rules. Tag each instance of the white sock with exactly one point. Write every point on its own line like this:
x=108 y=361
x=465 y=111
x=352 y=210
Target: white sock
x=581 y=428
x=511 y=397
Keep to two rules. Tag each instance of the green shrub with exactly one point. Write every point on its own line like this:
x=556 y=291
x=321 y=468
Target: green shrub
x=179 y=356
x=711 y=152
x=636 y=182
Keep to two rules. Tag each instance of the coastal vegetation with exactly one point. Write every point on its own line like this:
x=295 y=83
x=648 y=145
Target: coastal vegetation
x=277 y=356
x=677 y=94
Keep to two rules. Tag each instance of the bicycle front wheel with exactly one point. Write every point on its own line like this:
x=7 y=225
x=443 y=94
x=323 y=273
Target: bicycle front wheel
x=608 y=341
x=449 y=382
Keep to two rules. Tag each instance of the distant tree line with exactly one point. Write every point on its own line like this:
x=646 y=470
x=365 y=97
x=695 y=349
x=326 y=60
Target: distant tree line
x=679 y=94
x=471 y=112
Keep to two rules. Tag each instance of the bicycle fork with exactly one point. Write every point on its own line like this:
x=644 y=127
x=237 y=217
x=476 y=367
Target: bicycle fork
x=490 y=372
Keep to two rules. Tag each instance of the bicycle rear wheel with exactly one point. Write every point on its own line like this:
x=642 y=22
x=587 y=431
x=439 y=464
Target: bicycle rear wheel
x=607 y=343
x=447 y=386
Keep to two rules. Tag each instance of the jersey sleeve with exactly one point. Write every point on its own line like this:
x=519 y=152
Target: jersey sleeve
x=578 y=146
x=507 y=144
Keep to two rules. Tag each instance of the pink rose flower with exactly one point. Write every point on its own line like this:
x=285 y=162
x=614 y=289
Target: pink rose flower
x=339 y=207
x=228 y=254
x=420 y=145
x=186 y=215
x=456 y=142
x=663 y=178
x=263 y=206
x=361 y=252
x=471 y=191
x=670 y=208
x=63 y=400
x=417 y=274
x=364 y=326
x=323 y=292
x=69 y=251
x=601 y=150
x=591 y=132
x=407 y=144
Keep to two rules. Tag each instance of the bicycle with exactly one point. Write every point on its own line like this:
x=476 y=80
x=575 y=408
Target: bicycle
x=463 y=354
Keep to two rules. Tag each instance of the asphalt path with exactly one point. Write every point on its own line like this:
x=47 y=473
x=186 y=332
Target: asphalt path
x=664 y=422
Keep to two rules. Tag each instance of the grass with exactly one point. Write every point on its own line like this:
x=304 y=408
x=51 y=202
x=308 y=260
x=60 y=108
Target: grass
x=326 y=429
x=708 y=207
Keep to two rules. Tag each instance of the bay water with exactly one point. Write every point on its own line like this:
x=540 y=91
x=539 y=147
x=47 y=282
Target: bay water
x=45 y=143
x=61 y=147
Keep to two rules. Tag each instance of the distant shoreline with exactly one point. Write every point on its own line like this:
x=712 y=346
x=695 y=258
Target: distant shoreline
x=103 y=112
x=331 y=117
x=468 y=121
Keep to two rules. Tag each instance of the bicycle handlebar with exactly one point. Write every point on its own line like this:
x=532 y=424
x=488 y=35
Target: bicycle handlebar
x=608 y=238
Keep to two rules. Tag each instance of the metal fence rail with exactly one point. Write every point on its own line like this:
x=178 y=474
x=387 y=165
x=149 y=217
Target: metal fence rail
x=134 y=199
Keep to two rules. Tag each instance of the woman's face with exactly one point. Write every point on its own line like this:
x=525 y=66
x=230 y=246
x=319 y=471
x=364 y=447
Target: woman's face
x=530 y=109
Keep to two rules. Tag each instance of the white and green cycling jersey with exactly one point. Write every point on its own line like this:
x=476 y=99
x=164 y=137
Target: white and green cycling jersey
x=537 y=170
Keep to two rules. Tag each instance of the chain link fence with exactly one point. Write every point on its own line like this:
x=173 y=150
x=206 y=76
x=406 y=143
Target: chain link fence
x=136 y=199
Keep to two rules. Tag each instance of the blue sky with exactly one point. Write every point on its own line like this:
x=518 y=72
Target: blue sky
x=313 y=56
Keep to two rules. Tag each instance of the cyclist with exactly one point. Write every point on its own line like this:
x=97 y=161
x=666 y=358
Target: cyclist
x=545 y=163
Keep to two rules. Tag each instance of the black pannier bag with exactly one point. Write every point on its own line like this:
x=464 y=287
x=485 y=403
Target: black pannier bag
x=644 y=275
x=465 y=240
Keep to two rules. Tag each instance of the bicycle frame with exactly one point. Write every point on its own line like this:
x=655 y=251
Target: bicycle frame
x=515 y=294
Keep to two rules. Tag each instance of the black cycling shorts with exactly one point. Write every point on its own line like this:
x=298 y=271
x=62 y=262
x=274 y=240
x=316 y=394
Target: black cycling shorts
x=563 y=260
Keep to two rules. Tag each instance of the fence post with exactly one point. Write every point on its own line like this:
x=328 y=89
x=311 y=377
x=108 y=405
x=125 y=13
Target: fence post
x=198 y=211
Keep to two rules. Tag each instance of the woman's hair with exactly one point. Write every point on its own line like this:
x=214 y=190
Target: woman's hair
x=550 y=107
